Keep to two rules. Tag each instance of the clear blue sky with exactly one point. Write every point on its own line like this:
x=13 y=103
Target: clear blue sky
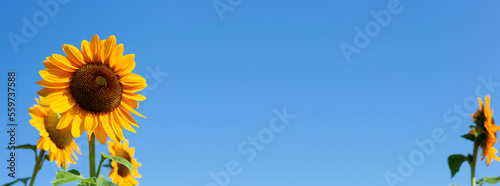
x=225 y=77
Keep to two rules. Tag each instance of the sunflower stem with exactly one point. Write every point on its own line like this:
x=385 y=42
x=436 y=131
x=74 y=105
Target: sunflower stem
x=92 y=156
x=38 y=166
x=473 y=164
x=100 y=165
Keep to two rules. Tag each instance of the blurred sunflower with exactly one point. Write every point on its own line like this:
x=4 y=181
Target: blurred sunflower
x=120 y=174
x=484 y=120
x=59 y=143
x=93 y=88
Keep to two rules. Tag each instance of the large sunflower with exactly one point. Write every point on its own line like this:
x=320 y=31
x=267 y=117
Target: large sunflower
x=484 y=119
x=120 y=174
x=59 y=143
x=93 y=88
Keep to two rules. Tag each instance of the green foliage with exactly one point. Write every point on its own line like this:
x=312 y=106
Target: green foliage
x=477 y=130
x=72 y=175
x=471 y=137
x=102 y=181
x=119 y=160
x=23 y=180
x=87 y=182
x=63 y=177
x=26 y=146
x=491 y=180
x=455 y=161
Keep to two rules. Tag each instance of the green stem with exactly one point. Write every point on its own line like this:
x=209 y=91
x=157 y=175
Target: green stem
x=92 y=155
x=473 y=165
x=100 y=164
x=38 y=166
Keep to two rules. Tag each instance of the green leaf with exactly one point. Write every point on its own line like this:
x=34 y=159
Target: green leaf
x=480 y=138
x=75 y=172
x=83 y=184
x=24 y=180
x=119 y=160
x=477 y=130
x=471 y=137
x=66 y=177
x=26 y=146
x=102 y=181
x=87 y=181
x=455 y=161
x=491 y=179
x=107 y=164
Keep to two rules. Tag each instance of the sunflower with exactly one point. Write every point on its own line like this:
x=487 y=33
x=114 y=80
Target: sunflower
x=120 y=174
x=484 y=120
x=93 y=88
x=59 y=143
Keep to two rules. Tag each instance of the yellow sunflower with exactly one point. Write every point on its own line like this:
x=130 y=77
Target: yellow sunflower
x=93 y=88
x=484 y=119
x=59 y=143
x=120 y=174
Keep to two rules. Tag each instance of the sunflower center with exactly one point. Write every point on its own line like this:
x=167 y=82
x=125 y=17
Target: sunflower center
x=122 y=170
x=96 y=88
x=62 y=138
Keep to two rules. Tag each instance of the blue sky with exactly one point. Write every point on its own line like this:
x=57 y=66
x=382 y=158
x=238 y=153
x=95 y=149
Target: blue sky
x=221 y=80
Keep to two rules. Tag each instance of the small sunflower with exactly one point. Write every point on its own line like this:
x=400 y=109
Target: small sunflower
x=484 y=120
x=93 y=88
x=59 y=143
x=120 y=174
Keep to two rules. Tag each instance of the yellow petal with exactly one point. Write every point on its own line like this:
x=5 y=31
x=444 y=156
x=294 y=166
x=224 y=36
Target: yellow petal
x=46 y=91
x=112 y=122
x=134 y=96
x=108 y=47
x=36 y=113
x=89 y=123
x=125 y=114
x=125 y=143
x=133 y=88
x=131 y=151
x=133 y=181
x=132 y=81
x=48 y=84
x=77 y=123
x=52 y=77
x=95 y=46
x=110 y=147
x=63 y=104
x=131 y=103
x=53 y=69
x=63 y=62
x=116 y=54
x=104 y=120
x=136 y=174
x=74 y=54
x=52 y=97
x=123 y=64
x=100 y=134
x=66 y=119
x=122 y=121
x=75 y=128
x=39 y=144
x=126 y=107
x=86 y=52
